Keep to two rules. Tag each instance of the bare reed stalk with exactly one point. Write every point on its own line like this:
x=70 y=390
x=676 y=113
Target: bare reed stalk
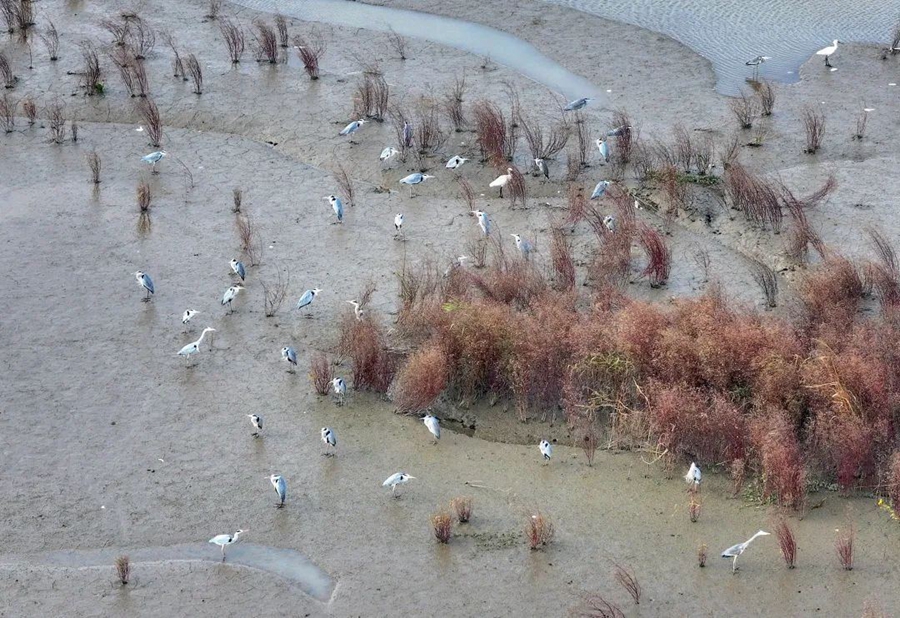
x=152 y=121
x=266 y=42
x=701 y=555
x=74 y=129
x=402 y=130
x=540 y=148
x=282 y=27
x=196 y=73
x=538 y=530
x=767 y=281
x=684 y=148
x=628 y=580
x=398 y=44
x=144 y=197
x=238 y=197
x=177 y=64
x=118 y=29
x=212 y=9
x=8 y=113
x=442 y=523
x=372 y=97
x=787 y=542
x=321 y=373
x=428 y=133
x=6 y=73
x=814 y=125
x=29 y=107
x=56 y=119
x=344 y=182
x=8 y=10
x=275 y=292
x=744 y=110
x=467 y=192
x=50 y=37
x=583 y=138
x=765 y=93
x=588 y=439
x=659 y=256
x=595 y=606
x=515 y=188
x=861 y=121
x=248 y=238
x=233 y=35
x=491 y=129
x=754 y=197
x=94 y=164
x=421 y=380
x=625 y=138
x=141 y=38
x=843 y=546
x=462 y=506
x=310 y=52
x=91 y=75
x=695 y=507
x=453 y=103
x=123 y=569
x=573 y=164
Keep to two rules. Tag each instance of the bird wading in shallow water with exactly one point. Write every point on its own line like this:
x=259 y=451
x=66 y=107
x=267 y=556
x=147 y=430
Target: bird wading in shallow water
x=280 y=488
x=736 y=550
x=224 y=540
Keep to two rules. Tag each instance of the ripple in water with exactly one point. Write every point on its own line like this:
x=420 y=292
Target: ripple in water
x=730 y=32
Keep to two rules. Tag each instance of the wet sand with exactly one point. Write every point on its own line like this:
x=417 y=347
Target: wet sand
x=95 y=396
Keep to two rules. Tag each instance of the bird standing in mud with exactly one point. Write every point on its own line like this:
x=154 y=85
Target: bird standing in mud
x=502 y=180
x=146 y=283
x=398 y=225
x=153 y=158
x=188 y=315
x=542 y=168
x=340 y=389
x=307 y=298
x=257 y=423
x=398 y=478
x=238 y=268
x=353 y=127
x=434 y=426
x=414 y=179
x=600 y=189
x=330 y=440
x=229 y=296
x=358 y=311
x=388 y=153
x=603 y=147
x=484 y=221
x=290 y=357
x=546 y=449
x=455 y=162
x=194 y=347
x=280 y=488
x=827 y=51
x=224 y=540
x=693 y=476
x=337 y=206
x=523 y=245
x=577 y=104
x=736 y=550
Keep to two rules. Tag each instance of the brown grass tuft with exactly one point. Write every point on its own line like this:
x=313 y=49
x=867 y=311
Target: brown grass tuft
x=701 y=555
x=814 y=125
x=233 y=35
x=212 y=9
x=561 y=260
x=282 y=26
x=421 y=380
x=766 y=95
x=628 y=580
x=321 y=373
x=8 y=113
x=248 y=237
x=152 y=121
x=595 y=606
x=196 y=72
x=783 y=472
x=94 y=164
x=398 y=44
x=30 y=109
x=365 y=343
x=659 y=256
x=56 y=120
x=538 y=530
x=442 y=524
x=453 y=103
x=744 y=110
x=787 y=542
x=91 y=75
x=344 y=182
x=843 y=546
x=491 y=130
x=266 y=42
x=275 y=292
x=50 y=37
x=462 y=506
x=694 y=509
x=123 y=569
x=310 y=51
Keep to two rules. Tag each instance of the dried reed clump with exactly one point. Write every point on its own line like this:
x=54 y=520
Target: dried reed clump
x=398 y=44
x=861 y=121
x=177 y=63
x=814 y=126
x=144 y=197
x=453 y=103
x=6 y=73
x=212 y=9
x=371 y=364
x=50 y=37
x=403 y=130
x=118 y=28
x=582 y=138
x=701 y=555
x=694 y=509
x=561 y=260
x=744 y=109
x=538 y=146
x=29 y=107
x=781 y=460
x=123 y=569
x=462 y=506
x=765 y=93
x=588 y=438
x=238 y=198
x=56 y=121
x=767 y=281
x=275 y=292
x=310 y=51
x=467 y=192
x=787 y=542
x=196 y=73
x=421 y=380
x=8 y=10
x=372 y=97
x=515 y=188
x=152 y=121
x=492 y=132
x=282 y=26
x=752 y=195
x=428 y=134
x=266 y=42
x=141 y=38
x=8 y=113
x=248 y=238
x=233 y=35
x=538 y=530
x=133 y=73
x=595 y=606
x=624 y=137
x=843 y=546
x=659 y=256
x=94 y=164
x=442 y=524
x=573 y=164
x=320 y=373
x=628 y=580
x=344 y=182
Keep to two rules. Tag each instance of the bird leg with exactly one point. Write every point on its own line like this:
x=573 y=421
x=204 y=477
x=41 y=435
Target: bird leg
x=223 y=553
x=501 y=191
x=734 y=566
x=828 y=64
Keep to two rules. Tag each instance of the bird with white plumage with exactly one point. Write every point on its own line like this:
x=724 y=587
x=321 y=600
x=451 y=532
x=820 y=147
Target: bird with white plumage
x=433 y=425
x=484 y=222
x=414 y=179
x=398 y=478
x=224 y=540
x=257 y=423
x=289 y=355
x=502 y=180
x=194 y=347
x=330 y=440
x=229 y=296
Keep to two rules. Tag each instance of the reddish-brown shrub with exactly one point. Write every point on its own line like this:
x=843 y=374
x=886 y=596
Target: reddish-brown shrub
x=893 y=480
x=694 y=508
x=628 y=580
x=421 y=380
x=538 y=530
x=778 y=450
x=442 y=523
x=831 y=294
x=371 y=364
x=561 y=260
x=463 y=507
x=491 y=130
x=843 y=546
x=787 y=542
x=310 y=51
x=659 y=256
x=321 y=373
x=701 y=555
x=595 y=606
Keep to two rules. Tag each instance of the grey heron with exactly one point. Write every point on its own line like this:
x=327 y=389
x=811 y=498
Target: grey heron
x=827 y=51
x=330 y=440
x=736 y=550
x=144 y=280
x=455 y=162
x=353 y=127
x=524 y=247
x=398 y=224
x=610 y=222
x=484 y=221
x=618 y=131
x=238 y=268
x=600 y=189
x=603 y=147
x=194 y=347
x=280 y=488
x=337 y=206
x=340 y=389
x=358 y=311
x=257 y=423
x=454 y=264
x=693 y=476
x=388 y=153
x=397 y=478
x=502 y=180
x=433 y=425
x=224 y=540
x=414 y=179
x=307 y=298
x=577 y=104
x=546 y=449
x=290 y=357
x=542 y=168
x=229 y=296
x=188 y=315
x=153 y=158
x=755 y=64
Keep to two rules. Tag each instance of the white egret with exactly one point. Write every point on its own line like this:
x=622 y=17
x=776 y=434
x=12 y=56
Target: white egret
x=154 y=157
x=257 y=423
x=546 y=449
x=455 y=162
x=693 y=475
x=502 y=181
x=398 y=478
x=280 y=488
x=238 y=268
x=337 y=206
x=827 y=51
x=577 y=104
x=290 y=357
x=358 y=311
x=194 y=347
x=144 y=280
x=542 y=168
x=600 y=189
x=736 y=550
x=484 y=221
x=307 y=298
x=230 y=294
x=340 y=389
x=603 y=147
x=388 y=153
x=224 y=540
x=330 y=440
x=434 y=426
x=524 y=247
x=398 y=223
x=353 y=127
x=188 y=315
x=414 y=179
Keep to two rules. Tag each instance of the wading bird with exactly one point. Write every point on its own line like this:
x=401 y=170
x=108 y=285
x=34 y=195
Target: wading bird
x=546 y=449
x=610 y=222
x=455 y=162
x=524 y=247
x=483 y=221
x=280 y=488
x=330 y=440
x=307 y=298
x=456 y=263
x=736 y=550
x=188 y=315
x=257 y=423
x=693 y=475
x=600 y=189
x=358 y=311
x=827 y=51
x=290 y=357
x=542 y=168
x=229 y=296
x=388 y=153
x=154 y=157
x=577 y=104
x=755 y=64
x=337 y=206
x=618 y=131
x=224 y=540
x=603 y=147
x=238 y=268
x=398 y=224
x=398 y=478
x=502 y=181
x=414 y=179
x=434 y=426
x=353 y=127
x=144 y=280
x=340 y=389
x=193 y=348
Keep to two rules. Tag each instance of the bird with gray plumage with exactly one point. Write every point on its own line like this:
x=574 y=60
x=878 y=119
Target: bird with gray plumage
x=755 y=64
x=340 y=389
x=407 y=135
x=484 y=222
x=736 y=550
x=600 y=189
x=618 y=131
x=307 y=298
x=290 y=357
x=577 y=104
x=388 y=153
x=433 y=425
x=610 y=222
x=153 y=158
x=146 y=283
x=603 y=147
x=353 y=127
x=693 y=475
x=280 y=488
x=229 y=296
x=414 y=179
x=455 y=162
x=337 y=206
x=330 y=440
x=524 y=246
x=257 y=423
x=188 y=315
x=398 y=224
x=546 y=449
x=238 y=268
x=398 y=478
x=194 y=347
x=542 y=168
x=224 y=540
